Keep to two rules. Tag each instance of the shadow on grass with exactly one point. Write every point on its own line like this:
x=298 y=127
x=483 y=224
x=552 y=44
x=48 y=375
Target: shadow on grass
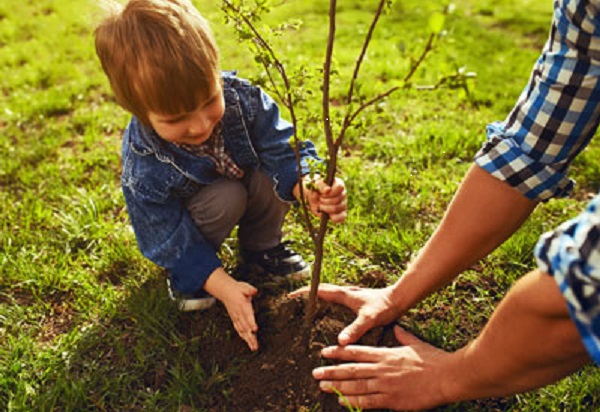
x=148 y=356
x=137 y=358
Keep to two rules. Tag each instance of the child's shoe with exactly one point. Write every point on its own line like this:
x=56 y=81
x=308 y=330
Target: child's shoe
x=280 y=261
x=190 y=302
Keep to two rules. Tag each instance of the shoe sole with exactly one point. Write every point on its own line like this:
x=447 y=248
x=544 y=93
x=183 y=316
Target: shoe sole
x=190 y=305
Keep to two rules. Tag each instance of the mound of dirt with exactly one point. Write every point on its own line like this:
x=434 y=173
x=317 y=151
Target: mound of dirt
x=278 y=376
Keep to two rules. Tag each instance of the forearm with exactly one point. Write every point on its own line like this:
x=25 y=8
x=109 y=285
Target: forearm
x=484 y=213
x=529 y=342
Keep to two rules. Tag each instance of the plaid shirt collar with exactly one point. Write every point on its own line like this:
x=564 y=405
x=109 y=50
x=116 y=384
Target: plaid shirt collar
x=214 y=148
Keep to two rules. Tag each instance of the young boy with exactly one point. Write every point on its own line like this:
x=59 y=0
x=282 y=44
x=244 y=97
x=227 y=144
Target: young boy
x=204 y=151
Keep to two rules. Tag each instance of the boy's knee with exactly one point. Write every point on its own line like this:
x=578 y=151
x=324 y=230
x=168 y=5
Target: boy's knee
x=225 y=201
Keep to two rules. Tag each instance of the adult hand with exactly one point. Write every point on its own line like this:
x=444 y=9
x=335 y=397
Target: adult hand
x=373 y=307
x=415 y=376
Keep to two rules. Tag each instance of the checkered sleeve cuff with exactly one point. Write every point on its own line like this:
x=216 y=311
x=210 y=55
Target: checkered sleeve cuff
x=558 y=112
x=504 y=158
x=571 y=254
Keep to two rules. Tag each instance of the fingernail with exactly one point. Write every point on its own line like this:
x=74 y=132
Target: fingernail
x=325 y=386
x=317 y=373
x=326 y=351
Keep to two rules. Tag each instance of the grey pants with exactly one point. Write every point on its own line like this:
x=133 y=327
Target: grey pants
x=250 y=202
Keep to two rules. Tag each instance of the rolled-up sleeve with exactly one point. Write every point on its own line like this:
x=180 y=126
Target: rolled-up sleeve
x=557 y=113
x=571 y=254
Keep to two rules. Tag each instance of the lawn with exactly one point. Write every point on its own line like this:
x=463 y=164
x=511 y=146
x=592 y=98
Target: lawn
x=85 y=321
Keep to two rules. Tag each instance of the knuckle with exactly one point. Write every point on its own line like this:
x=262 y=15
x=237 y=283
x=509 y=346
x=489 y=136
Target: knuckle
x=367 y=402
x=368 y=318
x=371 y=386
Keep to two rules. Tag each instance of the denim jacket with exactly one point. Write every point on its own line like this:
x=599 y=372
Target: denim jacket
x=158 y=177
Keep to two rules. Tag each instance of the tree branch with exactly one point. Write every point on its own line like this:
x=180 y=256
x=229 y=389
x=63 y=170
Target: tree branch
x=287 y=98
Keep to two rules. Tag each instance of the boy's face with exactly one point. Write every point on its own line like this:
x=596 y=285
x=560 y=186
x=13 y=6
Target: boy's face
x=193 y=127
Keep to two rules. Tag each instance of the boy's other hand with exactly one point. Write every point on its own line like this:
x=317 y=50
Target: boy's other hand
x=238 y=302
x=322 y=198
x=237 y=298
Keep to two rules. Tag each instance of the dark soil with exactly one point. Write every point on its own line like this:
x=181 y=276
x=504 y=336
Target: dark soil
x=278 y=376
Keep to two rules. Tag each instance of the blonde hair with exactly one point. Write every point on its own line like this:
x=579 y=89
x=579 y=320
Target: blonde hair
x=159 y=55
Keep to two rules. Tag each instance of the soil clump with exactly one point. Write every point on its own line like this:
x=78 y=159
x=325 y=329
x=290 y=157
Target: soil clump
x=278 y=377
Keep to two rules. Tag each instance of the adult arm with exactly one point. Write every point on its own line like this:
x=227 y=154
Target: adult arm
x=545 y=328
x=529 y=342
x=525 y=161
x=484 y=212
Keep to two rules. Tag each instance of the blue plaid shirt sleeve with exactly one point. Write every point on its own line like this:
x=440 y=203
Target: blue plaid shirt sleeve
x=558 y=111
x=571 y=254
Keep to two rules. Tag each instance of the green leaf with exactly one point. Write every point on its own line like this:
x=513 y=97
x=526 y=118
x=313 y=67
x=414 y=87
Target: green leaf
x=436 y=22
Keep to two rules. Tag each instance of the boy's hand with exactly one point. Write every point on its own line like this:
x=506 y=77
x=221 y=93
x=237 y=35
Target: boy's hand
x=322 y=198
x=237 y=298
x=238 y=301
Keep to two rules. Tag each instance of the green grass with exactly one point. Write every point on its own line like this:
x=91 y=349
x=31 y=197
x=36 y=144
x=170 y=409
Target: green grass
x=84 y=320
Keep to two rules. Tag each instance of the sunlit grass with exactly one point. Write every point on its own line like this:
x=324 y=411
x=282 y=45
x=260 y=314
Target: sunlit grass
x=85 y=323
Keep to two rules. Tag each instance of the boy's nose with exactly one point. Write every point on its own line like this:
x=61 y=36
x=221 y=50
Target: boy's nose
x=200 y=124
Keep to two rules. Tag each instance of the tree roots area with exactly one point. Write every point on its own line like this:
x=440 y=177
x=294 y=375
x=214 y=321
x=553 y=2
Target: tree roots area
x=278 y=377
